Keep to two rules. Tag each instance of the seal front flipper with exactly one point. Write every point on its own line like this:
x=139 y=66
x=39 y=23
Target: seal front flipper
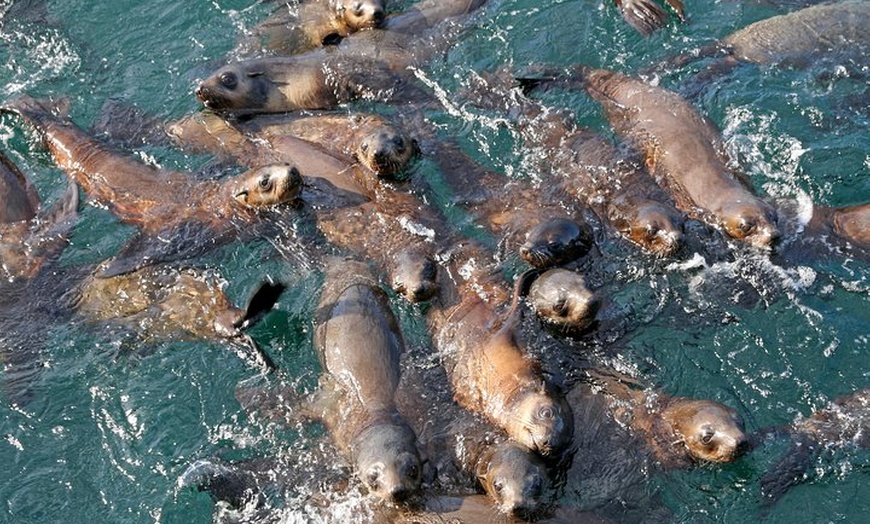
x=181 y=242
x=790 y=470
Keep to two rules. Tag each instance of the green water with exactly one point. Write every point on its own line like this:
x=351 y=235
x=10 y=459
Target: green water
x=114 y=422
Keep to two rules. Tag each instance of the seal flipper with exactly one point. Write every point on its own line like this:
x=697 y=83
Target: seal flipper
x=53 y=224
x=790 y=470
x=181 y=242
x=230 y=483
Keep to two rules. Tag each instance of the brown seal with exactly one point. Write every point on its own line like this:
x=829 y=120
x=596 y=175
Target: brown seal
x=560 y=297
x=360 y=379
x=646 y=15
x=684 y=151
x=30 y=235
x=797 y=39
x=414 y=275
x=158 y=201
x=842 y=424
x=314 y=23
x=371 y=139
x=161 y=300
x=677 y=431
x=465 y=452
x=812 y=231
x=491 y=375
x=372 y=68
x=556 y=242
x=589 y=168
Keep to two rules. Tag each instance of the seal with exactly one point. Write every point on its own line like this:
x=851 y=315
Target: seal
x=560 y=298
x=590 y=169
x=360 y=380
x=830 y=30
x=374 y=68
x=167 y=299
x=414 y=275
x=678 y=432
x=492 y=376
x=311 y=24
x=30 y=235
x=381 y=146
x=163 y=204
x=373 y=65
x=842 y=424
x=683 y=150
x=817 y=231
x=465 y=451
x=555 y=242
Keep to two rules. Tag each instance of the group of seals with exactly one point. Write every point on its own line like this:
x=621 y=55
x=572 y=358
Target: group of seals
x=530 y=423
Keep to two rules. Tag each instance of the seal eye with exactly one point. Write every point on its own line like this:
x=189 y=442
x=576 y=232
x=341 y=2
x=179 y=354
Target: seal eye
x=546 y=412
x=265 y=183
x=561 y=307
x=413 y=471
x=373 y=480
x=498 y=486
x=229 y=80
x=707 y=436
x=399 y=143
x=746 y=226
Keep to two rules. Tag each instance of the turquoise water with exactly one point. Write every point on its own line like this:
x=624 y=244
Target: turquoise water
x=114 y=422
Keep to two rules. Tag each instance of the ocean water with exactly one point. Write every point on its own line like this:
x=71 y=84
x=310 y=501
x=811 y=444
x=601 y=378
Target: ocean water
x=115 y=420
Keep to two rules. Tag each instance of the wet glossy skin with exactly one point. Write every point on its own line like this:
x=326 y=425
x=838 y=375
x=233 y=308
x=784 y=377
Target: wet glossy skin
x=709 y=431
x=359 y=344
x=555 y=242
x=561 y=298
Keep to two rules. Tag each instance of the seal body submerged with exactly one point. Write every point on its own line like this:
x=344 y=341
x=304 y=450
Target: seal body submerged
x=359 y=344
x=156 y=200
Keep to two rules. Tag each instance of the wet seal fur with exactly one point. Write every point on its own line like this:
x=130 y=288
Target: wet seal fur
x=30 y=235
x=466 y=453
x=162 y=203
x=492 y=376
x=360 y=380
x=590 y=169
x=560 y=298
x=311 y=24
x=679 y=432
x=842 y=424
x=683 y=150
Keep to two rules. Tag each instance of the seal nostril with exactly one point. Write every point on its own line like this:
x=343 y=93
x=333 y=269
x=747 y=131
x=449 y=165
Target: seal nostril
x=400 y=494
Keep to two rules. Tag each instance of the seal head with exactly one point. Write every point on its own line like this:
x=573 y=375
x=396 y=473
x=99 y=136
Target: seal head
x=753 y=222
x=267 y=185
x=710 y=431
x=560 y=297
x=387 y=151
x=361 y=14
x=651 y=225
x=545 y=420
x=388 y=461
x=515 y=478
x=556 y=242
x=414 y=275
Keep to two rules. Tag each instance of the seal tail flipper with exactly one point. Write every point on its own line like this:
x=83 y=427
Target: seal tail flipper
x=544 y=77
